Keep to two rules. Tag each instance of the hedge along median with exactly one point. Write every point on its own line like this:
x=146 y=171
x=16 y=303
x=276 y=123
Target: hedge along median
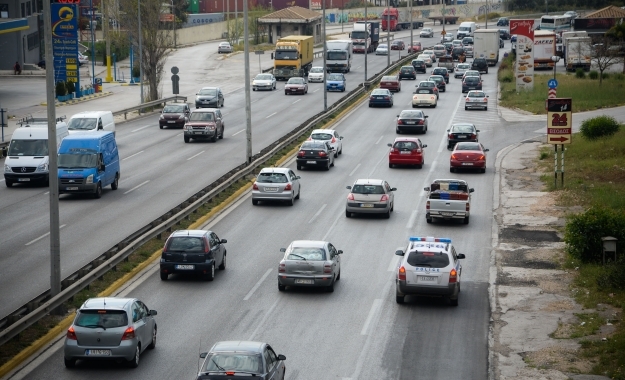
x=37 y=336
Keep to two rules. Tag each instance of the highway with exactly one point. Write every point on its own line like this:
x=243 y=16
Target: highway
x=357 y=332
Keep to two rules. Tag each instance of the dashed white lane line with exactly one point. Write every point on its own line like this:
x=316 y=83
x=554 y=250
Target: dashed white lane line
x=242 y=130
x=195 y=155
x=412 y=219
x=374 y=309
x=380 y=139
x=451 y=120
x=296 y=101
x=136 y=187
x=251 y=292
x=316 y=90
x=317 y=214
x=353 y=171
x=138 y=129
x=43 y=236
x=132 y=155
x=393 y=264
x=271 y=115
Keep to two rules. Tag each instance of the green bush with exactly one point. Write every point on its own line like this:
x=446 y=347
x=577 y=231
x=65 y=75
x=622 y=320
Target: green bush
x=136 y=71
x=71 y=87
x=507 y=78
x=593 y=74
x=599 y=126
x=612 y=277
x=60 y=88
x=580 y=73
x=493 y=15
x=605 y=75
x=583 y=233
x=618 y=76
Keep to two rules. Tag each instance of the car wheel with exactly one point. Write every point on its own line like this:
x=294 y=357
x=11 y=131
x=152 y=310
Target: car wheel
x=465 y=108
x=160 y=126
x=451 y=170
x=335 y=156
x=281 y=287
x=254 y=202
x=399 y=299
x=413 y=106
x=454 y=302
x=115 y=183
x=299 y=167
x=341 y=151
x=420 y=166
x=435 y=104
x=222 y=266
x=428 y=220
x=9 y=183
x=483 y=170
x=98 y=191
x=186 y=139
x=348 y=214
x=330 y=288
x=327 y=166
x=164 y=276
x=291 y=201
x=221 y=135
x=485 y=108
x=69 y=363
x=153 y=343
x=333 y=162
x=298 y=192
x=134 y=362
x=388 y=214
x=253 y=88
x=286 y=93
x=466 y=220
x=390 y=165
x=210 y=276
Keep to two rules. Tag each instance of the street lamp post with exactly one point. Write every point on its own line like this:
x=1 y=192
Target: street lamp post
x=411 y=25
x=173 y=22
x=388 y=33
x=325 y=69
x=140 y=53
x=367 y=40
x=555 y=59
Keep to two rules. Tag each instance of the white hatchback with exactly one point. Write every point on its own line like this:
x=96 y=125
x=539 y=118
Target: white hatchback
x=316 y=74
x=331 y=136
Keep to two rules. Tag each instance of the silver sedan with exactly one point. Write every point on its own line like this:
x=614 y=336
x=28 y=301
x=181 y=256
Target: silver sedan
x=276 y=184
x=224 y=47
x=309 y=263
x=264 y=82
x=370 y=196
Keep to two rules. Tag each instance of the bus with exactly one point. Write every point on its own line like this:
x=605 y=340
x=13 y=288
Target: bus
x=556 y=24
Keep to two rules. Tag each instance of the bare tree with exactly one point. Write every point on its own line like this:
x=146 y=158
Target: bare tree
x=235 y=31
x=605 y=54
x=157 y=39
x=618 y=32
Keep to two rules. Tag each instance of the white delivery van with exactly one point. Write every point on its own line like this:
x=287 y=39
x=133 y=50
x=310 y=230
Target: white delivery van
x=91 y=121
x=466 y=29
x=28 y=157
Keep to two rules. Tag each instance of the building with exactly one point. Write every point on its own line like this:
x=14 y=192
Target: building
x=292 y=21
x=20 y=23
x=600 y=21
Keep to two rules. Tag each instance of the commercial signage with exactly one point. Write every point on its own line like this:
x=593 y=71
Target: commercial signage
x=559 y=120
x=65 y=42
x=524 y=73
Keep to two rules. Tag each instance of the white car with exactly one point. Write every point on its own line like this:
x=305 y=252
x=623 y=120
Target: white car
x=424 y=97
x=224 y=47
x=264 y=82
x=82 y=59
x=382 y=49
x=476 y=99
x=431 y=54
x=331 y=136
x=316 y=74
x=426 y=32
x=425 y=58
x=461 y=68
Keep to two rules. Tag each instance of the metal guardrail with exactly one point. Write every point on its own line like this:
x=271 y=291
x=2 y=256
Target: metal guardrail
x=153 y=103
x=42 y=305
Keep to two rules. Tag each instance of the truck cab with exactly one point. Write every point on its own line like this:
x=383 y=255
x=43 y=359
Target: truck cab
x=293 y=57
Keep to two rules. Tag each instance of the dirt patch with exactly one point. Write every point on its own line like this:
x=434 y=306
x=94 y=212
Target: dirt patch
x=558 y=358
x=520 y=235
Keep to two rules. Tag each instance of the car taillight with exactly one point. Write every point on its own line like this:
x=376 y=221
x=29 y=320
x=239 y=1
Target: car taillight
x=255 y=187
x=473 y=136
x=467 y=98
x=453 y=276
x=485 y=99
x=401 y=274
x=327 y=268
x=287 y=187
x=427 y=205
x=350 y=197
x=301 y=153
x=384 y=198
x=418 y=150
x=481 y=157
x=309 y=139
x=71 y=334
x=282 y=268
x=432 y=97
x=467 y=207
x=399 y=121
x=387 y=97
x=322 y=154
x=451 y=136
x=420 y=122
x=453 y=156
x=371 y=98
x=129 y=333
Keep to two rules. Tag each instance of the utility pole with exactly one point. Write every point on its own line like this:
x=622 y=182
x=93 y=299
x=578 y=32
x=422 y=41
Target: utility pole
x=140 y=52
x=55 y=238
x=388 y=33
x=248 y=103
x=105 y=30
x=367 y=40
x=486 y=15
x=325 y=68
x=173 y=22
x=411 y=25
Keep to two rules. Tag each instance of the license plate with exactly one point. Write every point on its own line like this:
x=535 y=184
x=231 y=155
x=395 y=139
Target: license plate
x=98 y=352
x=427 y=278
x=294 y=89
x=410 y=122
x=404 y=152
x=311 y=162
x=423 y=101
x=197 y=132
x=71 y=188
x=462 y=137
x=171 y=121
x=185 y=267
x=271 y=189
x=467 y=163
x=366 y=205
x=447 y=213
x=302 y=281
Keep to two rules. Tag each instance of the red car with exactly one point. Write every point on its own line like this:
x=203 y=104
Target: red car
x=468 y=155
x=296 y=85
x=398 y=45
x=406 y=151
x=415 y=48
x=391 y=82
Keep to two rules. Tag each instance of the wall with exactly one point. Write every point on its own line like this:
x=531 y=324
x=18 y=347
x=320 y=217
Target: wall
x=15 y=47
x=201 y=33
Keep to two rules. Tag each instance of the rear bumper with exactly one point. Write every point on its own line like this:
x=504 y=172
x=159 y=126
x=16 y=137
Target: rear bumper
x=203 y=267
x=406 y=160
x=439 y=215
x=413 y=128
x=378 y=208
x=125 y=350
x=476 y=105
x=262 y=196
x=449 y=290
x=318 y=281
x=317 y=161
x=475 y=164
x=174 y=123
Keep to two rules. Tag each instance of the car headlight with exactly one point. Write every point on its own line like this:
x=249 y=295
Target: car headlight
x=89 y=179
x=7 y=169
x=211 y=127
x=162 y=117
x=188 y=127
x=181 y=116
x=42 y=167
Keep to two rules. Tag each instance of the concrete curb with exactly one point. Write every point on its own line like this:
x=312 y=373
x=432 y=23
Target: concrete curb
x=79 y=100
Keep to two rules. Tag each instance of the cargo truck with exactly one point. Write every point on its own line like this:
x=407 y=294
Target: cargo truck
x=544 y=49
x=398 y=20
x=577 y=53
x=560 y=47
x=486 y=45
x=365 y=37
x=293 y=57
x=339 y=56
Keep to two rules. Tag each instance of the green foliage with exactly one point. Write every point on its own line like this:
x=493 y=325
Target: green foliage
x=583 y=232
x=593 y=74
x=507 y=78
x=613 y=276
x=71 y=87
x=618 y=76
x=60 y=88
x=120 y=46
x=493 y=15
x=136 y=71
x=580 y=73
x=599 y=126
x=605 y=75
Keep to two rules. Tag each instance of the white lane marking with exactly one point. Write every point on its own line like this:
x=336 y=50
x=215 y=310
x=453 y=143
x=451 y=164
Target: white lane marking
x=374 y=309
x=2 y=180
x=242 y=130
x=42 y=236
x=341 y=214
x=316 y=90
x=412 y=219
x=136 y=187
x=317 y=214
x=358 y=67
x=195 y=155
x=132 y=155
x=296 y=101
x=353 y=171
x=249 y=294
x=380 y=139
x=271 y=115
x=262 y=321
x=138 y=129
x=393 y=264
x=376 y=165
x=451 y=120
x=179 y=134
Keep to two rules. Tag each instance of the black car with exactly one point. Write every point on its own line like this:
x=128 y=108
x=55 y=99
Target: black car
x=480 y=64
x=174 y=115
x=443 y=72
x=407 y=72
x=419 y=66
x=467 y=41
x=503 y=21
x=471 y=83
x=318 y=154
x=440 y=82
x=448 y=46
x=504 y=34
x=381 y=97
x=411 y=121
x=461 y=132
x=211 y=97
x=193 y=251
x=234 y=359
x=457 y=52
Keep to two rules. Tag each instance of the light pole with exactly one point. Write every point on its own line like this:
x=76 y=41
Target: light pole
x=140 y=53
x=325 y=70
x=248 y=103
x=486 y=15
x=173 y=21
x=555 y=59
x=367 y=40
x=411 y=25
x=388 y=33
x=342 y=14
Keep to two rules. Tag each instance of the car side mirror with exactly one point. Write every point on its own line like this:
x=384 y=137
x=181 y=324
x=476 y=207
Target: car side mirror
x=471 y=190
x=298 y=177
x=461 y=256
x=477 y=130
x=348 y=187
x=399 y=252
x=426 y=116
x=223 y=241
x=153 y=312
x=487 y=96
x=393 y=189
x=282 y=249
x=486 y=150
x=341 y=138
x=389 y=144
x=424 y=145
x=340 y=252
x=100 y=127
x=203 y=354
x=281 y=357
x=426 y=188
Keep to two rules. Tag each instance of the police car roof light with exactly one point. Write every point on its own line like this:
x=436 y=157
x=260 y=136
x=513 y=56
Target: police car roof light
x=430 y=239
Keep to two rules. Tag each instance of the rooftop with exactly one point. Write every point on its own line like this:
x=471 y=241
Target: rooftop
x=292 y=14
x=608 y=12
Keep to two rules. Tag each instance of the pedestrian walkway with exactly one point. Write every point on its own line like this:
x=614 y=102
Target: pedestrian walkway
x=514 y=115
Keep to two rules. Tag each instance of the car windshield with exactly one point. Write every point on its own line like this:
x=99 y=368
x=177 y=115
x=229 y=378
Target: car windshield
x=424 y=57
x=462 y=128
x=316 y=70
x=185 y=244
x=82 y=124
x=405 y=145
x=337 y=55
x=201 y=116
x=106 y=319
x=272 y=178
x=427 y=30
x=476 y=95
x=336 y=77
x=383 y=46
x=440 y=71
x=263 y=77
x=321 y=136
x=411 y=114
x=286 y=54
x=78 y=160
x=311 y=145
x=428 y=259
x=308 y=253
x=295 y=81
x=418 y=62
x=233 y=361
x=427 y=84
x=407 y=69
x=435 y=78
x=173 y=109
x=208 y=91
x=28 y=148
x=439 y=47
x=468 y=146
x=367 y=189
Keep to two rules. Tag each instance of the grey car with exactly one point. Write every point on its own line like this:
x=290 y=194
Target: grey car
x=210 y=97
x=264 y=82
x=370 y=196
x=193 y=252
x=276 y=184
x=110 y=329
x=224 y=47
x=309 y=263
x=246 y=359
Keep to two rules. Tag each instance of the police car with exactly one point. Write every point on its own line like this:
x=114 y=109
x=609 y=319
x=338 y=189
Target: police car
x=429 y=267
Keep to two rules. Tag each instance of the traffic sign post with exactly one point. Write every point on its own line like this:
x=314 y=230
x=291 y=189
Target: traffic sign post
x=553 y=85
x=559 y=129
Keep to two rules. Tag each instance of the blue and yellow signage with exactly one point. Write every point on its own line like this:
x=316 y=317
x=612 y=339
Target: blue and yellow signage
x=65 y=42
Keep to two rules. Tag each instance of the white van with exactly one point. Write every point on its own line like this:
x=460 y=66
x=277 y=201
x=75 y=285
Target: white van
x=28 y=157
x=466 y=29
x=91 y=121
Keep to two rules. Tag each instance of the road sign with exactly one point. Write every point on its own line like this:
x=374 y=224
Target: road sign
x=259 y=52
x=552 y=93
x=443 y=32
x=552 y=83
x=559 y=139
x=559 y=120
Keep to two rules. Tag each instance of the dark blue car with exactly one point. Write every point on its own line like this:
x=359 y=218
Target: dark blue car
x=381 y=97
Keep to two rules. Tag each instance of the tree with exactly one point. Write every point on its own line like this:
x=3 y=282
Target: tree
x=618 y=33
x=235 y=31
x=604 y=54
x=156 y=42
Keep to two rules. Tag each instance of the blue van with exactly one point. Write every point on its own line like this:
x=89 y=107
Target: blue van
x=87 y=163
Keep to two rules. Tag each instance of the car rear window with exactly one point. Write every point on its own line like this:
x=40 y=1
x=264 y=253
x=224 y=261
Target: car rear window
x=428 y=259
x=388 y=79
x=405 y=145
x=173 y=109
x=313 y=145
x=308 y=253
x=321 y=136
x=425 y=91
x=101 y=318
x=476 y=95
x=407 y=69
x=471 y=79
x=468 y=146
x=272 y=178
x=367 y=189
x=462 y=128
x=236 y=362
x=412 y=114
x=185 y=244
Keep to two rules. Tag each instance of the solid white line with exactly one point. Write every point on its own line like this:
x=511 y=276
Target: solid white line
x=242 y=130
x=271 y=115
x=249 y=294
x=46 y=193
x=341 y=214
x=296 y=101
x=42 y=236
x=179 y=134
x=132 y=155
x=195 y=155
x=376 y=165
x=316 y=90
x=136 y=187
x=411 y=221
x=374 y=308
x=380 y=139
x=353 y=171
x=262 y=321
x=317 y=214
x=393 y=264
x=138 y=129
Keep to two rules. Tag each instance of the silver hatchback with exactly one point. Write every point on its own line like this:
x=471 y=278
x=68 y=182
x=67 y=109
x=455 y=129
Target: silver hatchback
x=110 y=329
x=370 y=196
x=309 y=263
x=276 y=184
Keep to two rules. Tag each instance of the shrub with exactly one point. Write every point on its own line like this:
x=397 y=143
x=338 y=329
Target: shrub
x=136 y=71
x=593 y=74
x=580 y=73
x=507 y=78
x=605 y=75
x=60 y=88
x=599 y=126
x=618 y=76
x=583 y=233
x=612 y=277
x=71 y=87
x=493 y=15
